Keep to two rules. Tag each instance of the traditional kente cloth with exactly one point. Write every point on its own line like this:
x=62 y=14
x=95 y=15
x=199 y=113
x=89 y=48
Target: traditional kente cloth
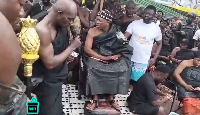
x=191 y=75
x=112 y=78
x=138 y=69
x=49 y=91
x=15 y=102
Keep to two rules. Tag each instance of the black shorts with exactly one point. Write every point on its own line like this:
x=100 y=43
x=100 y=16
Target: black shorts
x=145 y=109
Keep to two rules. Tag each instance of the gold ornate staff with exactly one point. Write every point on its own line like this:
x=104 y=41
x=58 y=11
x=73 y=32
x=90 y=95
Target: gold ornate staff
x=30 y=43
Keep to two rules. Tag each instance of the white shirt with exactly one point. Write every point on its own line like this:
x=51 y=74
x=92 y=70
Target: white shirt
x=197 y=35
x=158 y=22
x=142 y=39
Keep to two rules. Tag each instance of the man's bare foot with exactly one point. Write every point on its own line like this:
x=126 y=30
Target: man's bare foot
x=92 y=105
x=114 y=105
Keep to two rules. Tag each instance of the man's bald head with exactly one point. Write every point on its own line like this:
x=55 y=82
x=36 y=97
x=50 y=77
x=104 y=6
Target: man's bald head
x=66 y=6
x=66 y=12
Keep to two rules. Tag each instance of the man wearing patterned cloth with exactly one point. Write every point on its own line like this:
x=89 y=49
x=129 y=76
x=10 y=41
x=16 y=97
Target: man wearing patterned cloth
x=107 y=61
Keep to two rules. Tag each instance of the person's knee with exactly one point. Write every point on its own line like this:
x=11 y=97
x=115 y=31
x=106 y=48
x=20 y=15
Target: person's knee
x=161 y=111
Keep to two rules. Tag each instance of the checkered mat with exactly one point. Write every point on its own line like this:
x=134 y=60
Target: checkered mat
x=73 y=106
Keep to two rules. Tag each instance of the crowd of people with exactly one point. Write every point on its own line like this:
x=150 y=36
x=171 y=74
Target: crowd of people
x=106 y=46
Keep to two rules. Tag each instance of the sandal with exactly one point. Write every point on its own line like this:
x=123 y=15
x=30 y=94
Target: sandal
x=92 y=105
x=114 y=105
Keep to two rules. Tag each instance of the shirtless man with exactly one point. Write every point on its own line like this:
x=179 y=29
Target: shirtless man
x=10 y=57
x=83 y=14
x=53 y=52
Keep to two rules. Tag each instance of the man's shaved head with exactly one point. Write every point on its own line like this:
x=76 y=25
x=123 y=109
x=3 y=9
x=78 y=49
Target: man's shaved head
x=66 y=11
x=66 y=6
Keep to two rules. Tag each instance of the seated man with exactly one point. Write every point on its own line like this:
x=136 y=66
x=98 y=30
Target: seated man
x=187 y=75
x=107 y=61
x=143 y=100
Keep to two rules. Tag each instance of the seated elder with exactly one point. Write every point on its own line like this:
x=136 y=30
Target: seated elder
x=143 y=99
x=107 y=61
x=187 y=75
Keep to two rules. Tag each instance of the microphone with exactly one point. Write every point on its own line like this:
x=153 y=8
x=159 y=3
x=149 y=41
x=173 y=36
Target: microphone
x=74 y=31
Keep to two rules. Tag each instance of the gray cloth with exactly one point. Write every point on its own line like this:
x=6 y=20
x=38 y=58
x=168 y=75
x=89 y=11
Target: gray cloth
x=17 y=104
x=191 y=75
x=112 y=78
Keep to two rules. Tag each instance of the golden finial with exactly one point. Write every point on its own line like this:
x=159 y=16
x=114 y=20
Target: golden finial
x=30 y=43
x=28 y=22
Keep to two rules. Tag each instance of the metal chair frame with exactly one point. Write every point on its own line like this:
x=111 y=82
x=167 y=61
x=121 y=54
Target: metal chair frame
x=174 y=98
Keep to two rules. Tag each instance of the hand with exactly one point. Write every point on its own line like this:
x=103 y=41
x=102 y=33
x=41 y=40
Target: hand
x=107 y=58
x=70 y=58
x=189 y=88
x=32 y=95
x=170 y=57
x=116 y=57
x=183 y=33
x=76 y=43
x=197 y=89
x=152 y=61
x=164 y=57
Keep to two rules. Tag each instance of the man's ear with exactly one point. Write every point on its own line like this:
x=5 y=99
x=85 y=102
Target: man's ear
x=59 y=13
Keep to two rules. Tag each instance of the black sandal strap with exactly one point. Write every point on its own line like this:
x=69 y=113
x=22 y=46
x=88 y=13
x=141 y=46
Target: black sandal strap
x=113 y=102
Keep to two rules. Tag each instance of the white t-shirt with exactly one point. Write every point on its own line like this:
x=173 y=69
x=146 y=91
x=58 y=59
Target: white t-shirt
x=197 y=35
x=142 y=39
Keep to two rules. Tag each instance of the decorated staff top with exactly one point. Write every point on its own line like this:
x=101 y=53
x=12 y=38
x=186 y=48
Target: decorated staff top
x=29 y=39
x=30 y=43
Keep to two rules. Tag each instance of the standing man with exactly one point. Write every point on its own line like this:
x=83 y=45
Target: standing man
x=54 y=50
x=83 y=14
x=11 y=102
x=144 y=32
